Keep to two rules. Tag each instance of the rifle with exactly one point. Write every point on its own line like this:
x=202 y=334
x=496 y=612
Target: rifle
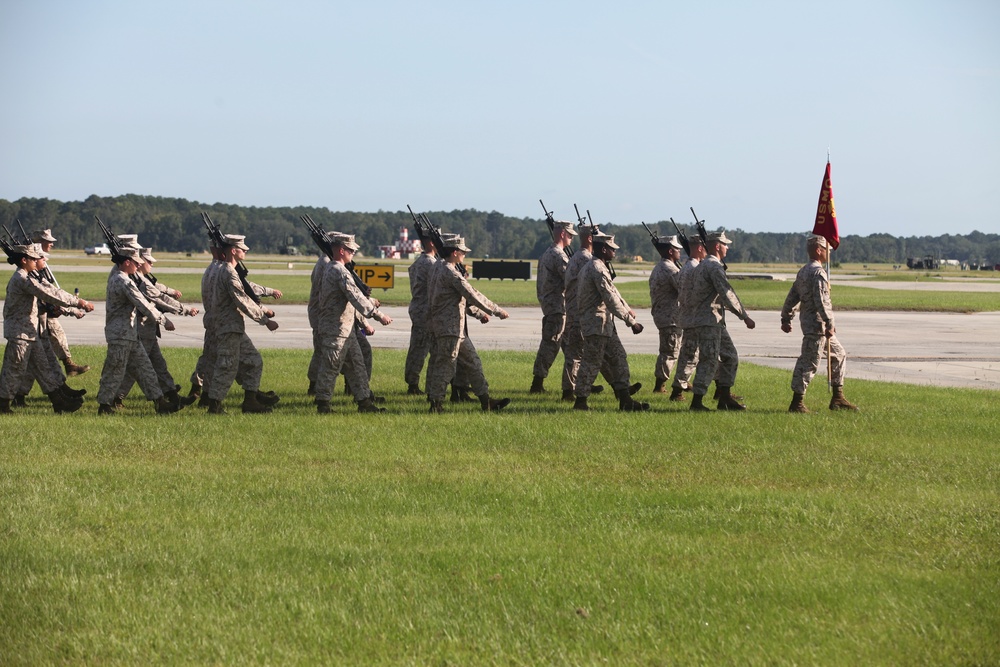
x=8 y=247
x=215 y=234
x=551 y=222
x=700 y=225
x=114 y=242
x=322 y=239
x=682 y=237
x=434 y=234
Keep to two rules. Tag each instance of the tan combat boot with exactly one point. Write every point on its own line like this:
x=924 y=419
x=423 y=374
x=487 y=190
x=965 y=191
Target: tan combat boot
x=727 y=401
x=838 y=402
x=72 y=369
x=798 y=405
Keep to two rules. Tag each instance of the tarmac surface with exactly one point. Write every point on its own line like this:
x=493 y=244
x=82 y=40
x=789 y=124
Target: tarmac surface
x=942 y=349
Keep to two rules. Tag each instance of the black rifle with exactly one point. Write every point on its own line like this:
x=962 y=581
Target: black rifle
x=682 y=237
x=428 y=230
x=216 y=235
x=322 y=239
x=551 y=222
x=114 y=242
x=700 y=224
x=8 y=247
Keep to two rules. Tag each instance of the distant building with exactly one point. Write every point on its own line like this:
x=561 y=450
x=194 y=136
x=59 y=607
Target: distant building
x=404 y=248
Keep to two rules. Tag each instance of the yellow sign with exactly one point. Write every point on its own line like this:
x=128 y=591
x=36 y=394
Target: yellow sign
x=376 y=276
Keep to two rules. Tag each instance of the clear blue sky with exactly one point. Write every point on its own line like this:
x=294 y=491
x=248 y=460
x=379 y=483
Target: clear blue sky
x=634 y=110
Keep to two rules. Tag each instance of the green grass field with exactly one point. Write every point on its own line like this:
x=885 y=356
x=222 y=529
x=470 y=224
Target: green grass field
x=533 y=536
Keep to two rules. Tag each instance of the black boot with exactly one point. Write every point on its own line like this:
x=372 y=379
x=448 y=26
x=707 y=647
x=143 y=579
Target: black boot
x=413 y=390
x=20 y=401
x=461 y=394
x=268 y=398
x=489 y=405
x=69 y=392
x=5 y=407
x=581 y=404
x=368 y=405
x=322 y=407
x=537 y=385
x=568 y=395
x=165 y=406
x=697 y=405
x=437 y=407
x=627 y=404
x=104 y=409
x=214 y=406
x=61 y=403
x=253 y=406
x=311 y=391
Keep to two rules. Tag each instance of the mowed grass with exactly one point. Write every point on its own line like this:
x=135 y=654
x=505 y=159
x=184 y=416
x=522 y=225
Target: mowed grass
x=534 y=536
x=755 y=294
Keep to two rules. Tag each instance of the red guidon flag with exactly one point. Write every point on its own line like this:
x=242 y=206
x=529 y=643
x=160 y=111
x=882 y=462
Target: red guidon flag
x=826 y=214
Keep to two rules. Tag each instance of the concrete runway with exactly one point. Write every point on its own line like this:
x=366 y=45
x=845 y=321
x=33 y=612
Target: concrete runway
x=943 y=349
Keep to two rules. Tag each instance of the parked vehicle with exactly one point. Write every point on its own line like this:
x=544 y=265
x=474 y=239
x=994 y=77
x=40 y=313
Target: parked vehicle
x=102 y=249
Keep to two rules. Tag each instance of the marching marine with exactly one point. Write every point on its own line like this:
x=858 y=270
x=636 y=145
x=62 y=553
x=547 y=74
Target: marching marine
x=710 y=296
x=598 y=304
x=340 y=302
x=451 y=296
x=125 y=303
x=664 y=294
x=811 y=293
x=550 y=288
x=236 y=357
x=23 y=357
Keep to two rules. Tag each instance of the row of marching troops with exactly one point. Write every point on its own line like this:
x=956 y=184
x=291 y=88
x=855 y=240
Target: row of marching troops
x=688 y=302
x=575 y=290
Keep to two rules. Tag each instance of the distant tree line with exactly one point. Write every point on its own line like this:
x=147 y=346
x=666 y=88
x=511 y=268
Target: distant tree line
x=176 y=225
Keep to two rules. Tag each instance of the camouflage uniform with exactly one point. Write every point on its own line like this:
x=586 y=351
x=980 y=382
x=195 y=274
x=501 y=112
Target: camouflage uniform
x=125 y=303
x=163 y=298
x=710 y=296
x=419 y=311
x=24 y=358
x=312 y=312
x=237 y=359
x=206 y=362
x=664 y=297
x=598 y=303
x=687 y=360
x=811 y=293
x=550 y=287
x=340 y=302
x=451 y=296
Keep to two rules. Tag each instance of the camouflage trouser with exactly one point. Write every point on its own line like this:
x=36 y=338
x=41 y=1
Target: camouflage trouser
x=341 y=354
x=602 y=354
x=420 y=347
x=687 y=360
x=813 y=346
x=366 y=353
x=50 y=364
x=573 y=352
x=670 y=347
x=57 y=339
x=26 y=359
x=163 y=376
x=127 y=357
x=718 y=358
x=317 y=356
x=454 y=357
x=553 y=327
x=236 y=359
x=206 y=362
